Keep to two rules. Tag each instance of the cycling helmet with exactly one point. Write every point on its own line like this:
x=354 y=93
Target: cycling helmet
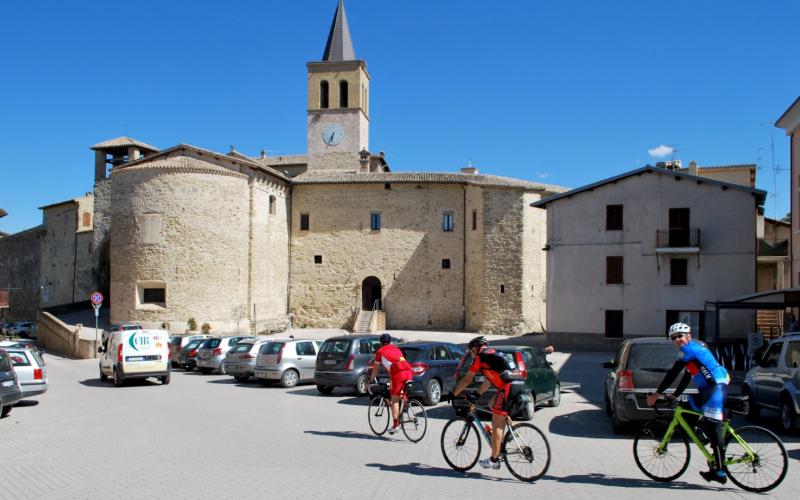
x=386 y=338
x=478 y=342
x=681 y=328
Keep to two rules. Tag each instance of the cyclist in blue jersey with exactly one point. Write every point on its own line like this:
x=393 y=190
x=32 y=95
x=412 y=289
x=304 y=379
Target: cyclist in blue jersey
x=711 y=380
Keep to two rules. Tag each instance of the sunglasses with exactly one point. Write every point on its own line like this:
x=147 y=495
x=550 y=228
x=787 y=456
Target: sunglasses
x=676 y=336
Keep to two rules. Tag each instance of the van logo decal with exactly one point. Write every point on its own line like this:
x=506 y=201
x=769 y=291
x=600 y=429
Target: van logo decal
x=138 y=340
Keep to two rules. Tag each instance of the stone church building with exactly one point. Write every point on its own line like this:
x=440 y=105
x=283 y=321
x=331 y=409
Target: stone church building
x=327 y=238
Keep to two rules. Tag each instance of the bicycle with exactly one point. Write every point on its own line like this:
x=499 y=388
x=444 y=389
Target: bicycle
x=413 y=419
x=525 y=449
x=755 y=458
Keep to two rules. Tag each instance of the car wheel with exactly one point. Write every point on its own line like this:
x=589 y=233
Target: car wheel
x=325 y=389
x=289 y=378
x=434 y=393
x=556 y=399
x=753 y=411
x=222 y=369
x=103 y=376
x=188 y=367
x=527 y=411
x=165 y=379
x=362 y=384
x=118 y=381
x=788 y=416
x=242 y=378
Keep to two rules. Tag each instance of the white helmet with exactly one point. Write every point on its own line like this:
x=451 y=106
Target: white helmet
x=679 y=328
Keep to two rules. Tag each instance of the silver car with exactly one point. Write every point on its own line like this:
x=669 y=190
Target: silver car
x=290 y=361
x=240 y=363
x=10 y=392
x=774 y=382
x=31 y=372
x=211 y=355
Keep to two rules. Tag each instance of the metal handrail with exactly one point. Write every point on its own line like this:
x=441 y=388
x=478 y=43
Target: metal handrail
x=677 y=238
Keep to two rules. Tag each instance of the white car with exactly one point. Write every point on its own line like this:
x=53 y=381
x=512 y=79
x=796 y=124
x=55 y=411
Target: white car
x=23 y=329
x=31 y=372
x=135 y=354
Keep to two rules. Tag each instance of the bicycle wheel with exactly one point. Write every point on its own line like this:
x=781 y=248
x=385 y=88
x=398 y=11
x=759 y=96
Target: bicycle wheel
x=414 y=421
x=661 y=464
x=527 y=452
x=379 y=415
x=759 y=472
x=461 y=444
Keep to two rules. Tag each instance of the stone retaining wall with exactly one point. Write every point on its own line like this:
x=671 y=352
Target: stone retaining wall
x=55 y=335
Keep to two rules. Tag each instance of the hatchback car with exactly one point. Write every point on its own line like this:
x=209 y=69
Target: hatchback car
x=240 y=363
x=25 y=329
x=211 y=355
x=187 y=358
x=177 y=342
x=287 y=361
x=343 y=362
x=433 y=365
x=774 y=382
x=636 y=371
x=10 y=391
x=31 y=372
x=542 y=385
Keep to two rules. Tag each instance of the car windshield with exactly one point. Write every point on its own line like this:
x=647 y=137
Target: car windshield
x=175 y=341
x=335 y=346
x=131 y=327
x=414 y=354
x=271 y=348
x=652 y=357
x=212 y=343
x=19 y=358
x=242 y=347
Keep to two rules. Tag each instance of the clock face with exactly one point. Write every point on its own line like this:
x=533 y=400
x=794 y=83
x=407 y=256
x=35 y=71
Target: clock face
x=332 y=134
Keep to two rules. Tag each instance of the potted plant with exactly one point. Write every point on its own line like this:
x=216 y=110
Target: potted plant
x=192 y=324
x=206 y=329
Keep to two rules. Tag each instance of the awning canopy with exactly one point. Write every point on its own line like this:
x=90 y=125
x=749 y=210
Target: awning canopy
x=773 y=299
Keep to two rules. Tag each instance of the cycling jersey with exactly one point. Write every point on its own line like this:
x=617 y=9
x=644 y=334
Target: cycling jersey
x=492 y=364
x=395 y=363
x=702 y=365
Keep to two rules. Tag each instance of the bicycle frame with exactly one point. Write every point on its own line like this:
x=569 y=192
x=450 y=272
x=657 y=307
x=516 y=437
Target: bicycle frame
x=476 y=422
x=679 y=420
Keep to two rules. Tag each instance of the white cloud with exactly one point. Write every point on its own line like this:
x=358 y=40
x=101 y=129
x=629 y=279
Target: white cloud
x=544 y=175
x=661 y=151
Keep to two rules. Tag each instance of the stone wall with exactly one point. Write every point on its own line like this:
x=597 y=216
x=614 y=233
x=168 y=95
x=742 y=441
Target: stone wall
x=20 y=260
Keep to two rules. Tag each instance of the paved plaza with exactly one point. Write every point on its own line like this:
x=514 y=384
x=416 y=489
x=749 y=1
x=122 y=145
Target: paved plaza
x=205 y=436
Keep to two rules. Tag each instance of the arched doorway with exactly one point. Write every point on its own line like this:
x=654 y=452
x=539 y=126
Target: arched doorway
x=370 y=293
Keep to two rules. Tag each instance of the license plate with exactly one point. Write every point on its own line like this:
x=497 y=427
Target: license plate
x=8 y=383
x=330 y=362
x=135 y=358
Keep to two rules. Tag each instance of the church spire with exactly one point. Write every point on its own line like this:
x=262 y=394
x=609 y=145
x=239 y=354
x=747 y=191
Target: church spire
x=339 y=46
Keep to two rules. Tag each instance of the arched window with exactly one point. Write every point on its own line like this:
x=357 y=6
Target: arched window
x=272 y=204
x=343 y=94
x=323 y=94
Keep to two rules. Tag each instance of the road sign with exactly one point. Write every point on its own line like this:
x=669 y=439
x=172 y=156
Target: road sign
x=96 y=298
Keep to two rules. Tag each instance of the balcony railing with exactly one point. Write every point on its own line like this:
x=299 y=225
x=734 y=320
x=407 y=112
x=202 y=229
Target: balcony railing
x=678 y=238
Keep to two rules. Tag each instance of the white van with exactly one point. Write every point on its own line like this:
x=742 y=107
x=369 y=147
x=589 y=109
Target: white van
x=129 y=354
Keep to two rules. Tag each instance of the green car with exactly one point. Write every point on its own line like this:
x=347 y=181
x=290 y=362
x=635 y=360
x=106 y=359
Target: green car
x=542 y=383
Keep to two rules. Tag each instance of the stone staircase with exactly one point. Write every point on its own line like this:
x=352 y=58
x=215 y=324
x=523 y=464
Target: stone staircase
x=769 y=322
x=363 y=322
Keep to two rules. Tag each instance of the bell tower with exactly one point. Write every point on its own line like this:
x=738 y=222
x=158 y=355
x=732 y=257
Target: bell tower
x=338 y=102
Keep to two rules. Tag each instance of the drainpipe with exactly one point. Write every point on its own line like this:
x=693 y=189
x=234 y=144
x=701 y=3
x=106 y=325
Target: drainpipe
x=464 y=264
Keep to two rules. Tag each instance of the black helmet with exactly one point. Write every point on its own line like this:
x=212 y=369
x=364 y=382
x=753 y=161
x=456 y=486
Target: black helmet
x=386 y=338
x=478 y=342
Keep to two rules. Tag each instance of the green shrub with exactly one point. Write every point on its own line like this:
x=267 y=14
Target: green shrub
x=206 y=328
x=192 y=324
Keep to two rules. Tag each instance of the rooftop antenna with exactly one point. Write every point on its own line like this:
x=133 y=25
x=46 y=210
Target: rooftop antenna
x=675 y=149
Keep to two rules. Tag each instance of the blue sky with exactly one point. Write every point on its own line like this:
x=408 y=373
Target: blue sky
x=559 y=92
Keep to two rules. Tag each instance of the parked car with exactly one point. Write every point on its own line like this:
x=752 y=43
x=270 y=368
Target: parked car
x=188 y=355
x=26 y=343
x=176 y=343
x=636 y=371
x=4 y=326
x=10 y=391
x=240 y=363
x=25 y=329
x=135 y=354
x=343 y=362
x=211 y=355
x=289 y=361
x=31 y=370
x=542 y=385
x=434 y=367
x=774 y=381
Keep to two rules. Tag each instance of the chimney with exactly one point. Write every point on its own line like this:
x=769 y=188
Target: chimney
x=363 y=159
x=469 y=169
x=692 y=167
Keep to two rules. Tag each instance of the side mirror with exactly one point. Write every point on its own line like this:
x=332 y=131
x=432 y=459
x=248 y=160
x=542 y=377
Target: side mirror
x=610 y=365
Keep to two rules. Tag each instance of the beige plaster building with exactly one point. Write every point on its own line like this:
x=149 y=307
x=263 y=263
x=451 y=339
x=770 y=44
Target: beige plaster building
x=790 y=122
x=631 y=254
x=327 y=237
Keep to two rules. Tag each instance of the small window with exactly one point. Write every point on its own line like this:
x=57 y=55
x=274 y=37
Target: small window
x=613 y=217
x=272 y=204
x=305 y=349
x=447 y=221
x=369 y=346
x=375 y=221
x=502 y=289
x=678 y=270
x=323 y=94
x=318 y=259
x=445 y=263
x=474 y=220
x=87 y=219
x=771 y=357
x=614 y=271
x=154 y=296
x=614 y=324
x=304 y=222
x=387 y=186
x=343 y=94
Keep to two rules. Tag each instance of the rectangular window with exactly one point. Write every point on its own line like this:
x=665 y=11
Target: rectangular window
x=445 y=263
x=375 y=221
x=474 y=220
x=304 y=222
x=678 y=272
x=614 y=324
x=614 y=271
x=318 y=259
x=154 y=296
x=613 y=217
x=447 y=221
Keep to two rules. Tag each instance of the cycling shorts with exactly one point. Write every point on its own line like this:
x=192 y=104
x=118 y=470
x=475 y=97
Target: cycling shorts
x=709 y=400
x=506 y=397
x=399 y=380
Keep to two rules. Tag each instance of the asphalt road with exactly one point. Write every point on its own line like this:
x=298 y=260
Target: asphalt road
x=205 y=436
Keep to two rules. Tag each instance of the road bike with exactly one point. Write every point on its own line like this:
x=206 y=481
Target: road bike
x=755 y=458
x=525 y=449
x=413 y=419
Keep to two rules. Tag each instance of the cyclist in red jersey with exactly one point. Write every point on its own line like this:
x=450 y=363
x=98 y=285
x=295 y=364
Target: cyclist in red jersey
x=495 y=368
x=391 y=358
